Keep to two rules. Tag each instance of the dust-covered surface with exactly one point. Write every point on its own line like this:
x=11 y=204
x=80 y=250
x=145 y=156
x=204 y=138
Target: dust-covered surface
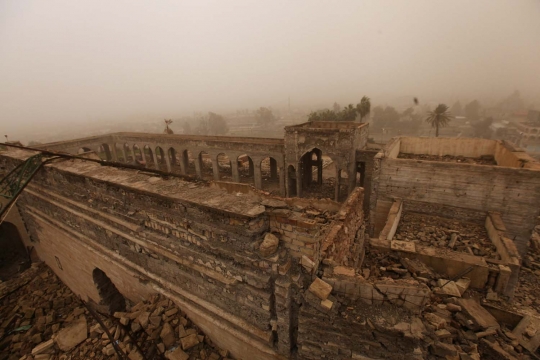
x=450 y=234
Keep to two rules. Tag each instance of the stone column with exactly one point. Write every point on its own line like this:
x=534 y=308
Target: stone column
x=258 y=176
x=319 y=165
x=184 y=162
x=124 y=153
x=134 y=158
x=167 y=161
x=143 y=155
x=215 y=168
x=114 y=154
x=199 y=165
x=234 y=169
x=156 y=163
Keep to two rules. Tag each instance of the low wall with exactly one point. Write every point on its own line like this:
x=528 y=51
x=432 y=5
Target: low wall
x=467 y=147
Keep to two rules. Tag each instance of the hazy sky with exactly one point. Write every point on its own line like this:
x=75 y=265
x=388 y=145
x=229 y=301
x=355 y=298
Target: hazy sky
x=79 y=61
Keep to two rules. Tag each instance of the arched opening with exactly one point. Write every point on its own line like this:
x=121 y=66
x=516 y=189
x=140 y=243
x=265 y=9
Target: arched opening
x=269 y=174
x=137 y=153
x=189 y=162
x=318 y=175
x=119 y=153
x=105 y=152
x=160 y=155
x=13 y=255
x=246 y=169
x=109 y=295
x=149 y=156
x=224 y=167
x=83 y=150
x=312 y=167
x=291 y=181
x=129 y=153
x=360 y=174
x=205 y=165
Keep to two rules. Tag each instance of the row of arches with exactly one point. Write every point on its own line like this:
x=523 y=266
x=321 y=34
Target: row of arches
x=314 y=175
x=262 y=172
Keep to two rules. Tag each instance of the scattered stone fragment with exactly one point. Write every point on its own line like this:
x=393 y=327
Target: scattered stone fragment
x=72 y=335
x=320 y=289
x=269 y=245
x=176 y=354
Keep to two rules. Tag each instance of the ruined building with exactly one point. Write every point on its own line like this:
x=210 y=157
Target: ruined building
x=280 y=248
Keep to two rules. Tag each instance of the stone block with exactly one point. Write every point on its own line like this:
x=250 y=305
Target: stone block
x=320 y=289
x=189 y=341
x=176 y=354
x=344 y=270
x=527 y=333
x=476 y=312
x=407 y=246
x=167 y=335
x=447 y=288
x=72 y=335
x=43 y=347
x=269 y=245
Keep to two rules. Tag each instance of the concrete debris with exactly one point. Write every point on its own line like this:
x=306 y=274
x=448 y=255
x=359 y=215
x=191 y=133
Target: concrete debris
x=44 y=320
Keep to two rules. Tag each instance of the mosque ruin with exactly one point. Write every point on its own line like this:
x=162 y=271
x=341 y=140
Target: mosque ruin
x=315 y=246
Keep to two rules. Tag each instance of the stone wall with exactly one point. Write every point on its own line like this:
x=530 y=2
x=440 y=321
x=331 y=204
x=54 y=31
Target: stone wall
x=363 y=309
x=344 y=241
x=148 y=234
x=514 y=192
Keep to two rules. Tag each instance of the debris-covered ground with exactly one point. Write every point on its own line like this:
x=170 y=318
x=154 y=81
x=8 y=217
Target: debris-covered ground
x=41 y=319
x=483 y=160
x=459 y=322
x=446 y=233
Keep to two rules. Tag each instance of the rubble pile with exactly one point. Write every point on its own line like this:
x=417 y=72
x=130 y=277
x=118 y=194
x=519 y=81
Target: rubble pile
x=41 y=319
x=482 y=160
x=440 y=232
x=528 y=291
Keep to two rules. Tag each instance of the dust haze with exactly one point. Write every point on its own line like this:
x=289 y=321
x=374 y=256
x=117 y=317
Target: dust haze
x=75 y=68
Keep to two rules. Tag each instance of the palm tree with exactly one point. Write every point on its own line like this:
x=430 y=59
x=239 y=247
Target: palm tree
x=364 y=107
x=438 y=118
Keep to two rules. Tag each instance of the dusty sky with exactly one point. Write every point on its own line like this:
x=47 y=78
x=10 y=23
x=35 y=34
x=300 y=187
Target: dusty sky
x=79 y=61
